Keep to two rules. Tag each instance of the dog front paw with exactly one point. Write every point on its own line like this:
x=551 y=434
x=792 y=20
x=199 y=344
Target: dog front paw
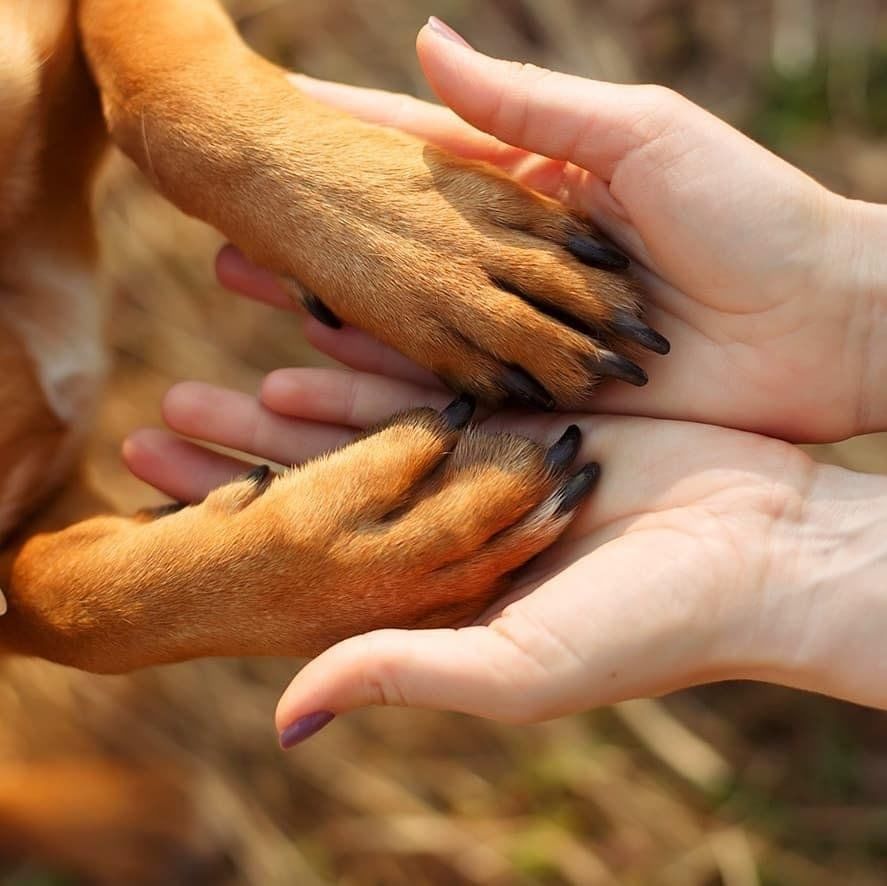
x=502 y=292
x=419 y=523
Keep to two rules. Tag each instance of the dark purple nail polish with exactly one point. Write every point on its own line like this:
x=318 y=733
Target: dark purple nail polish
x=304 y=728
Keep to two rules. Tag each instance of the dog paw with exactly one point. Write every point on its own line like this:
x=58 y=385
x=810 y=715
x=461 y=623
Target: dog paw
x=502 y=292
x=419 y=523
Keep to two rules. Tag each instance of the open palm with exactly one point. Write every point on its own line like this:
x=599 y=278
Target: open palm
x=675 y=571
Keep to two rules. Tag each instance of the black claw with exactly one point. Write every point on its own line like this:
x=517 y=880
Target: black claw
x=163 y=510
x=320 y=311
x=631 y=327
x=617 y=366
x=261 y=475
x=562 y=453
x=460 y=411
x=590 y=252
x=524 y=390
x=577 y=487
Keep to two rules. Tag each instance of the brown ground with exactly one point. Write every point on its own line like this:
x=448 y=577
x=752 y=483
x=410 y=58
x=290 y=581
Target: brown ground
x=739 y=784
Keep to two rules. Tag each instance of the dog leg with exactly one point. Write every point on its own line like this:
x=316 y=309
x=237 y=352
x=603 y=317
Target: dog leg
x=419 y=524
x=498 y=290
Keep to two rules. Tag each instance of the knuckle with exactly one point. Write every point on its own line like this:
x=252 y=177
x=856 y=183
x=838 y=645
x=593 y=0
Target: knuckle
x=528 y=74
x=381 y=673
x=511 y=109
x=658 y=107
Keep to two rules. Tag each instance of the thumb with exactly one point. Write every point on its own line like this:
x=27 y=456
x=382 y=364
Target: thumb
x=473 y=670
x=590 y=123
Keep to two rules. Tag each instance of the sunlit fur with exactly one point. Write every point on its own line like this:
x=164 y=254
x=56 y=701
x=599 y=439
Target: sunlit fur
x=418 y=524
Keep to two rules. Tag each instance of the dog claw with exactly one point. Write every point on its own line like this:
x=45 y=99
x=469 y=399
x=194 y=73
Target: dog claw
x=261 y=476
x=631 y=327
x=616 y=366
x=561 y=454
x=577 y=487
x=162 y=510
x=460 y=412
x=524 y=390
x=320 y=311
x=590 y=252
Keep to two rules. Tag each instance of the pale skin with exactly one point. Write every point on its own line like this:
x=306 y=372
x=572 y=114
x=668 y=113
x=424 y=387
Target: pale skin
x=707 y=553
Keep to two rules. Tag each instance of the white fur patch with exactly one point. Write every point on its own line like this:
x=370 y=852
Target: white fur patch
x=59 y=321
x=57 y=317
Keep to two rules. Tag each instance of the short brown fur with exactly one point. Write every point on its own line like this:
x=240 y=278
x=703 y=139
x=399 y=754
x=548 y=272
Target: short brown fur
x=418 y=524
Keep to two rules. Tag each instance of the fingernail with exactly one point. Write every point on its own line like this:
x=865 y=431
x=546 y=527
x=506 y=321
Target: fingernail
x=304 y=728
x=3 y=606
x=561 y=454
x=459 y=412
x=163 y=510
x=444 y=30
x=577 y=487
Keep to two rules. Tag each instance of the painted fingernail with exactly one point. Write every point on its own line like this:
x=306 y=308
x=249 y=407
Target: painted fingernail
x=320 y=311
x=444 y=30
x=562 y=453
x=616 y=366
x=304 y=728
x=590 y=252
x=524 y=390
x=261 y=475
x=631 y=327
x=460 y=411
x=577 y=487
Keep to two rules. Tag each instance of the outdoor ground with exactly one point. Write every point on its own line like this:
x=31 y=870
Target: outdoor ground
x=732 y=784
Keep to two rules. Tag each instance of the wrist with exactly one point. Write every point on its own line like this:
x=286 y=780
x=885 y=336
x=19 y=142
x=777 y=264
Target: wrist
x=823 y=607
x=861 y=259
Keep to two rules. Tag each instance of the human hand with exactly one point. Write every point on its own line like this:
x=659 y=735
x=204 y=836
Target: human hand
x=769 y=287
x=705 y=554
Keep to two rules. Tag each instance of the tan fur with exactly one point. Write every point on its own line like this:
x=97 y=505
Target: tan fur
x=416 y=525
x=390 y=233
x=87 y=816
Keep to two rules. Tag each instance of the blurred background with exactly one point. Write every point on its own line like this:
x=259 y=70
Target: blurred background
x=732 y=784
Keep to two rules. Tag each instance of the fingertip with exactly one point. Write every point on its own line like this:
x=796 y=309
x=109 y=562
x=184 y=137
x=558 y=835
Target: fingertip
x=230 y=262
x=279 y=388
x=147 y=454
x=137 y=446
x=180 y=401
x=438 y=52
x=236 y=273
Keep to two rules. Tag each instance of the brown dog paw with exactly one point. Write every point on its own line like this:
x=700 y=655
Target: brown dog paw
x=500 y=291
x=418 y=523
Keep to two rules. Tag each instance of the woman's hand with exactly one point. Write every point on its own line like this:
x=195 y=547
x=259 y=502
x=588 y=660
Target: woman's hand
x=770 y=288
x=705 y=554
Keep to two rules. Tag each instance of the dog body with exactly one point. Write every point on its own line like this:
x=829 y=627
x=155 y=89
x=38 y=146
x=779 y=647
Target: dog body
x=459 y=267
x=51 y=359
x=440 y=257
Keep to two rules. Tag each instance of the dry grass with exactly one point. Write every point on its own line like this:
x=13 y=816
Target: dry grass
x=738 y=784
